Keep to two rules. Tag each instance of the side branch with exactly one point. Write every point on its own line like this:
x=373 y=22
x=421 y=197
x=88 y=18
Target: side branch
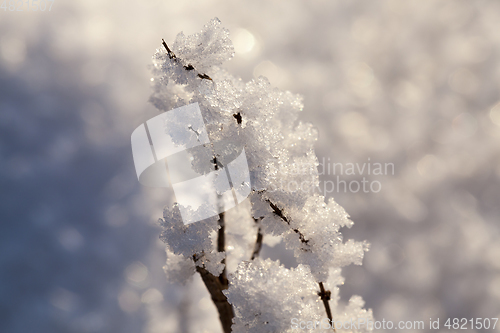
x=216 y=284
x=258 y=242
x=279 y=212
x=221 y=236
x=325 y=296
x=189 y=67
x=221 y=246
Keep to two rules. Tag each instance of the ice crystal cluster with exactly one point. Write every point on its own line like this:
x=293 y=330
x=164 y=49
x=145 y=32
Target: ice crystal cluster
x=263 y=120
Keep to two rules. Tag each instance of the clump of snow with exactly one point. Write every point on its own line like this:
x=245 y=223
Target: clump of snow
x=210 y=47
x=212 y=261
x=178 y=268
x=188 y=239
x=266 y=296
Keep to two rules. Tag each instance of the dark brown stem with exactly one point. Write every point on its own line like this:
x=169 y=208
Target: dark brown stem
x=216 y=284
x=189 y=67
x=325 y=296
x=280 y=213
x=221 y=246
x=215 y=288
x=258 y=242
x=204 y=76
x=221 y=238
x=171 y=54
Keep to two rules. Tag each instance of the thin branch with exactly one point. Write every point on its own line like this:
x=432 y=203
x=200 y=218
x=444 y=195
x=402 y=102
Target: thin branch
x=221 y=236
x=325 y=296
x=221 y=240
x=204 y=76
x=216 y=284
x=258 y=242
x=280 y=213
x=215 y=288
x=171 y=54
x=189 y=67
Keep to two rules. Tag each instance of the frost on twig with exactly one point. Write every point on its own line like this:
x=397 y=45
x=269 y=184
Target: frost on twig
x=187 y=67
x=258 y=242
x=215 y=288
x=325 y=297
x=262 y=294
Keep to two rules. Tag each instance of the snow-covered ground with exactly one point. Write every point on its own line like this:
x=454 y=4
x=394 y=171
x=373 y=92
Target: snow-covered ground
x=410 y=83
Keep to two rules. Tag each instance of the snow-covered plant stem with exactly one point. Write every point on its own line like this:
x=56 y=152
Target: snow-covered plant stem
x=325 y=297
x=252 y=294
x=216 y=284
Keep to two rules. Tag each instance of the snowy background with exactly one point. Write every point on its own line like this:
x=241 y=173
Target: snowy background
x=412 y=83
